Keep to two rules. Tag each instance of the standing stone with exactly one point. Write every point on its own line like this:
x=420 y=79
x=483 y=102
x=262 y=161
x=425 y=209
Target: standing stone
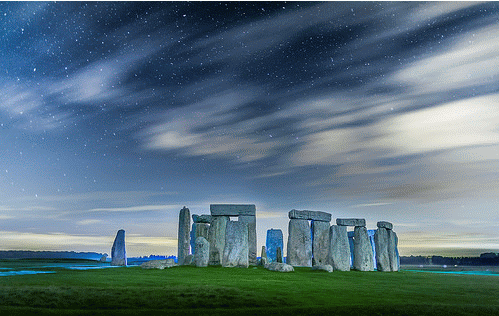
x=299 y=243
x=118 y=251
x=252 y=247
x=263 y=256
x=339 y=250
x=320 y=244
x=235 y=252
x=393 y=251
x=382 y=242
x=279 y=255
x=216 y=238
x=198 y=230
x=370 y=234
x=363 y=253
x=202 y=254
x=184 y=225
x=274 y=241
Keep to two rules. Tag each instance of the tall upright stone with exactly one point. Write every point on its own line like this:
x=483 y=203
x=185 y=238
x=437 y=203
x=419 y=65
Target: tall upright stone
x=339 y=251
x=393 y=251
x=252 y=247
x=216 y=238
x=382 y=242
x=279 y=255
x=370 y=234
x=274 y=241
x=299 y=243
x=236 y=245
x=263 y=257
x=320 y=242
x=202 y=253
x=363 y=253
x=184 y=225
x=118 y=251
x=198 y=230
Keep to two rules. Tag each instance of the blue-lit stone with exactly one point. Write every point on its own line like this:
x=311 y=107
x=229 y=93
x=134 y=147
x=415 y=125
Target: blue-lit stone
x=274 y=241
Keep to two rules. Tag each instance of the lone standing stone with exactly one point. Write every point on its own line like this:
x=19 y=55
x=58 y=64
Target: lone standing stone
x=320 y=244
x=216 y=238
x=339 y=251
x=118 y=251
x=363 y=252
x=202 y=254
x=382 y=242
x=274 y=241
x=184 y=225
x=236 y=245
x=299 y=243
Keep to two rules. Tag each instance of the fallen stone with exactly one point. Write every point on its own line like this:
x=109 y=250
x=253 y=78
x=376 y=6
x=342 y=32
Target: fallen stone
x=158 y=264
x=382 y=242
x=363 y=253
x=202 y=254
x=339 y=249
x=216 y=238
x=184 y=225
x=383 y=224
x=350 y=222
x=235 y=252
x=310 y=215
x=323 y=267
x=198 y=230
x=118 y=251
x=274 y=241
x=252 y=247
x=279 y=267
x=299 y=243
x=320 y=244
x=201 y=218
x=232 y=209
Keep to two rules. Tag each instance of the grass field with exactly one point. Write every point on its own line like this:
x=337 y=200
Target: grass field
x=253 y=291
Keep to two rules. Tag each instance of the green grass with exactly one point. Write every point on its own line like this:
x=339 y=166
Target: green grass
x=253 y=291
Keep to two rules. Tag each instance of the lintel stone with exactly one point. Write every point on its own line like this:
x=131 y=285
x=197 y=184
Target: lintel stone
x=201 y=218
x=310 y=215
x=358 y=222
x=232 y=209
x=383 y=224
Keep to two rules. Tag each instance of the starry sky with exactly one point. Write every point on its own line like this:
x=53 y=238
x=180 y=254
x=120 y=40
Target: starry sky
x=117 y=114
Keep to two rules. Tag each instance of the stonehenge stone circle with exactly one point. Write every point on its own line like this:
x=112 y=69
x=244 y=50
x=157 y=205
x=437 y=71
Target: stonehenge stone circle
x=339 y=251
x=382 y=241
x=310 y=215
x=274 y=241
x=320 y=242
x=184 y=225
x=235 y=252
x=216 y=238
x=118 y=251
x=198 y=230
x=201 y=218
x=363 y=253
x=202 y=254
x=350 y=222
x=299 y=243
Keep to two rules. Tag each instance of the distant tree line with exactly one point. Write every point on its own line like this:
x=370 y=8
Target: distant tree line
x=485 y=259
x=26 y=254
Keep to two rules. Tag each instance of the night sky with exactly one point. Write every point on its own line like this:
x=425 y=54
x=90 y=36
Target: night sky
x=116 y=115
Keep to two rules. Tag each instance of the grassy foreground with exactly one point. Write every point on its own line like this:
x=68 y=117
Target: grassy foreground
x=253 y=291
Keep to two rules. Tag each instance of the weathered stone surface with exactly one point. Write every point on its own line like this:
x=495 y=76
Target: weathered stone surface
x=383 y=224
x=252 y=247
x=323 y=267
x=158 y=264
x=320 y=242
x=393 y=251
x=235 y=252
x=363 y=253
x=184 y=225
x=279 y=255
x=310 y=215
x=280 y=267
x=350 y=222
x=103 y=258
x=216 y=238
x=232 y=209
x=274 y=241
x=382 y=241
x=198 y=230
x=118 y=251
x=339 y=249
x=299 y=243
x=370 y=234
x=189 y=260
x=201 y=218
x=263 y=257
x=202 y=254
